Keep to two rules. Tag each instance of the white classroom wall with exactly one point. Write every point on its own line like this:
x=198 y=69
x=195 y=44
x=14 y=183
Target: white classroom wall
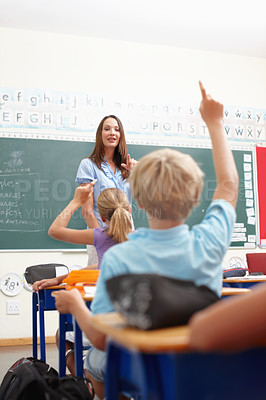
x=40 y=60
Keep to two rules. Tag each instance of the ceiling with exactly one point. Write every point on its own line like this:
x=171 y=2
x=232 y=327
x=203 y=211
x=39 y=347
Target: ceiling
x=227 y=26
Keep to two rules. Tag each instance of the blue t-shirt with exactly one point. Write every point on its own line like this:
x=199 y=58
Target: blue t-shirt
x=106 y=178
x=179 y=253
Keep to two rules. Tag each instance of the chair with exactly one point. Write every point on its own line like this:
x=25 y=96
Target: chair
x=158 y=365
x=256 y=262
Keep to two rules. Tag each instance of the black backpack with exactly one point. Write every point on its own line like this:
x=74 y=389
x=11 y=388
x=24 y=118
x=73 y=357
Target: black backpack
x=30 y=378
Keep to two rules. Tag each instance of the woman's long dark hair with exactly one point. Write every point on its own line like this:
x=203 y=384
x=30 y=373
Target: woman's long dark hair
x=120 y=154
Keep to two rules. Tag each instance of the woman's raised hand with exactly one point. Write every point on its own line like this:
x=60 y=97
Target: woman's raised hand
x=131 y=162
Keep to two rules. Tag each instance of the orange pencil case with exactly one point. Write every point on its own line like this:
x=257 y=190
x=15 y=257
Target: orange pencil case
x=88 y=277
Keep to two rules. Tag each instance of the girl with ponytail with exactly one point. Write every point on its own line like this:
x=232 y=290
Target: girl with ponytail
x=115 y=213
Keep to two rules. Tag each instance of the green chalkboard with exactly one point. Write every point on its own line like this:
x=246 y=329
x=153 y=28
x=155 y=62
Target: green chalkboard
x=37 y=180
x=245 y=228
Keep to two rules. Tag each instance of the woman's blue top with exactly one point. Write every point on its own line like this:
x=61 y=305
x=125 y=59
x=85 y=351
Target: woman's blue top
x=106 y=178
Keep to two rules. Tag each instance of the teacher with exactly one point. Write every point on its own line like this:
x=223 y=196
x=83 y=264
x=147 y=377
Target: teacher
x=110 y=164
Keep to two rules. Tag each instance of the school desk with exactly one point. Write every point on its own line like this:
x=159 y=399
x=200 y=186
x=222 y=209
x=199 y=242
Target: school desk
x=158 y=365
x=244 y=281
x=44 y=301
x=41 y=301
x=228 y=291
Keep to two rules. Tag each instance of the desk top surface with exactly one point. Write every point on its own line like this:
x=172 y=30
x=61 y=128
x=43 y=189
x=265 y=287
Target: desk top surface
x=159 y=340
x=55 y=287
x=248 y=278
x=226 y=291
x=87 y=296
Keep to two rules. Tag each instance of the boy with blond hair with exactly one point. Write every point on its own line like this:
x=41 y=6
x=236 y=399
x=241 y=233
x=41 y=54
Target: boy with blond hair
x=167 y=184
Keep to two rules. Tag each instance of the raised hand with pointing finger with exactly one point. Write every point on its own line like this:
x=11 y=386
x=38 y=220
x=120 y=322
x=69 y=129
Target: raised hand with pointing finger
x=226 y=173
x=211 y=110
x=131 y=162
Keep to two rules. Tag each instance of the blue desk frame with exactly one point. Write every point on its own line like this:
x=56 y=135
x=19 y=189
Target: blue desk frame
x=65 y=326
x=185 y=376
x=245 y=284
x=41 y=302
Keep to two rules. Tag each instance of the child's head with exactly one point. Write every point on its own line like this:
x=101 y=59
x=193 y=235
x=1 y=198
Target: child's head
x=167 y=184
x=114 y=207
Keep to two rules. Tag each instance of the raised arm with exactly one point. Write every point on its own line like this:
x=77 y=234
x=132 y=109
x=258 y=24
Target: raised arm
x=58 y=230
x=226 y=173
x=87 y=212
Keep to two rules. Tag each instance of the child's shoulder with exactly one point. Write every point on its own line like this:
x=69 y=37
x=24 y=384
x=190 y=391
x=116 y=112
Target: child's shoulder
x=219 y=218
x=222 y=205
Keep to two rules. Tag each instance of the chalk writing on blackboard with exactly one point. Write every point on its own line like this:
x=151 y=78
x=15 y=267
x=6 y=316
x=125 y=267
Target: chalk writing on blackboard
x=20 y=208
x=15 y=159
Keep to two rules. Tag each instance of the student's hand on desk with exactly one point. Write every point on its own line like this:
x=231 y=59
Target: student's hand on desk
x=211 y=110
x=66 y=301
x=131 y=162
x=44 y=283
